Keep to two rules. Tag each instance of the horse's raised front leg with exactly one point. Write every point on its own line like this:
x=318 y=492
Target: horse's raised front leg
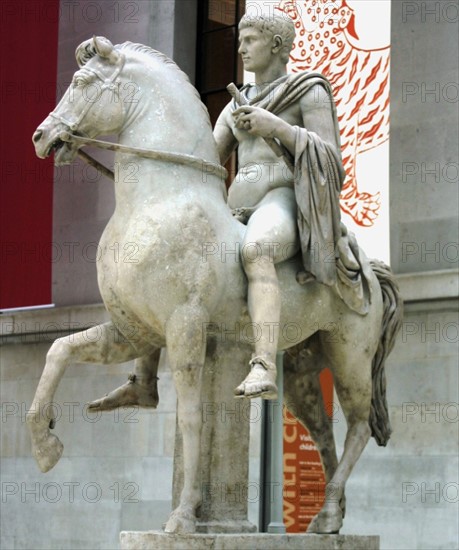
x=352 y=379
x=141 y=389
x=99 y=344
x=186 y=348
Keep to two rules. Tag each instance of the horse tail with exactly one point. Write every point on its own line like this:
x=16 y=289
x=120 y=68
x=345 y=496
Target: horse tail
x=391 y=323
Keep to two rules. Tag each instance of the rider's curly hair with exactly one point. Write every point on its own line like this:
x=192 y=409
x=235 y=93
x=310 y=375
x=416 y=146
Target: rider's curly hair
x=280 y=25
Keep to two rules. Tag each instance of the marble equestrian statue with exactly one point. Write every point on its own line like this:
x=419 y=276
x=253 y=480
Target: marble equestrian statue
x=177 y=213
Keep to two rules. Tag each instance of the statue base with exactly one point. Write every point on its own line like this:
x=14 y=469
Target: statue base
x=157 y=540
x=224 y=527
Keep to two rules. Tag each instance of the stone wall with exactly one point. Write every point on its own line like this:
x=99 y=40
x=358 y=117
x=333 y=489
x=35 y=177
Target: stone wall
x=424 y=132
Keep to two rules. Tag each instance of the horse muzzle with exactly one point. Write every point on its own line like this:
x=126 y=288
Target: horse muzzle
x=47 y=141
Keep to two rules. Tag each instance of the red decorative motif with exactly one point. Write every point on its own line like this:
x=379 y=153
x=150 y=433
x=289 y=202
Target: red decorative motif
x=325 y=42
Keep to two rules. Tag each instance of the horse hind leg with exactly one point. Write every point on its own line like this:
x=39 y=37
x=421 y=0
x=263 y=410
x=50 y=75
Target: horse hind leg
x=352 y=378
x=99 y=344
x=303 y=397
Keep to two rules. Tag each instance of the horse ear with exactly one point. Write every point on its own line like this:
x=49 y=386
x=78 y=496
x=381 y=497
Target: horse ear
x=85 y=52
x=102 y=46
x=105 y=49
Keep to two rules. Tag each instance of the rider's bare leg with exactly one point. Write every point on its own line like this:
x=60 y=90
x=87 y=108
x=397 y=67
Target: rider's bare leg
x=140 y=390
x=265 y=316
x=271 y=237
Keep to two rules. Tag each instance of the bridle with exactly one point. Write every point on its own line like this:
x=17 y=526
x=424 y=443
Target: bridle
x=205 y=166
x=108 y=84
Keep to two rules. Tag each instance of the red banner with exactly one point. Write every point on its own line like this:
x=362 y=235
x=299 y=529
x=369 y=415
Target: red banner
x=28 y=93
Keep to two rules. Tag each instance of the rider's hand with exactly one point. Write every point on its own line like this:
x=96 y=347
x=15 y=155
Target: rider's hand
x=256 y=121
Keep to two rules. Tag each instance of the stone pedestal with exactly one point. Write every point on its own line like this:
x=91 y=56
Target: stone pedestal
x=224 y=442
x=156 y=540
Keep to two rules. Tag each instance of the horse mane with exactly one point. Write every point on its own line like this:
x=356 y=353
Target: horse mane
x=155 y=54
x=87 y=51
x=150 y=52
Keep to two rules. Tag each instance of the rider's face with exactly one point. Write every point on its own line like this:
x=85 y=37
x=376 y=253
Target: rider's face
x=255 y=49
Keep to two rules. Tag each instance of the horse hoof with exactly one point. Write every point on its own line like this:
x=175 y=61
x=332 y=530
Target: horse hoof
x=180 y=523
x=46 y=447
x=327 y=522
x=48 y=452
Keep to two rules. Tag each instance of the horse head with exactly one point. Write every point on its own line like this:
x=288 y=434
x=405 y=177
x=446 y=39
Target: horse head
x=132 y=91
x=92 y=105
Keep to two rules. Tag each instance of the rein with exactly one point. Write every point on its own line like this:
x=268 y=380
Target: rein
x=205 y=166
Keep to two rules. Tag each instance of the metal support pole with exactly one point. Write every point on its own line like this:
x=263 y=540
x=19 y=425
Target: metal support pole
x=275 y=448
